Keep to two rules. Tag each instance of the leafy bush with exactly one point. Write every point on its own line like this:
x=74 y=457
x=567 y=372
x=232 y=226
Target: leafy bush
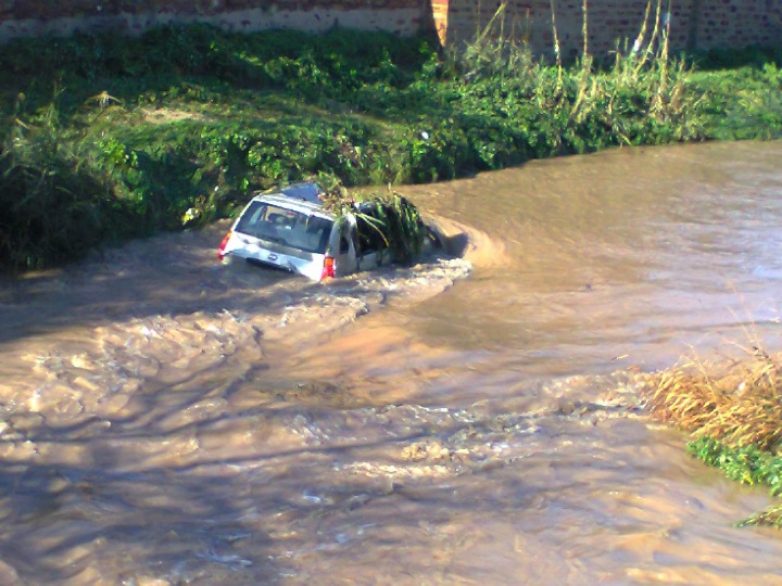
x=748 y=465
x=391 y=215
x=771 y=517
x=53 y=207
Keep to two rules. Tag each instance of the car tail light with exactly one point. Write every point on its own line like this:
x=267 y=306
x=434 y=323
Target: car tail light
x=223 y=244
x=328 y=268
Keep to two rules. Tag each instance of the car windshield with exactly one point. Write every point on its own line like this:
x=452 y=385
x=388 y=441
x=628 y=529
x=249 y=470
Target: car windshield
x=291 y=228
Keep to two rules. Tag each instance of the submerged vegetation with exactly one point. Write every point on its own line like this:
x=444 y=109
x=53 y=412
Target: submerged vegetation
x=104 y=138
x=735 y=418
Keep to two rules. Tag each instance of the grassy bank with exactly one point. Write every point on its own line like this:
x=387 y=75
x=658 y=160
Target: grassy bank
x=735 y=418
x=104 y=138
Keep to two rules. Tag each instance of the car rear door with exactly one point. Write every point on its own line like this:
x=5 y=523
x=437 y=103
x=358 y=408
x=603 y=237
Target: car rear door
x=344 y=249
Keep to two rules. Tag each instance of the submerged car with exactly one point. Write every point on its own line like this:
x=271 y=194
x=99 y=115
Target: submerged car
x=290 y=229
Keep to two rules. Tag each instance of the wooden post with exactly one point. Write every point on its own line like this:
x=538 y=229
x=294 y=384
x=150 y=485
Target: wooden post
x=440 y=17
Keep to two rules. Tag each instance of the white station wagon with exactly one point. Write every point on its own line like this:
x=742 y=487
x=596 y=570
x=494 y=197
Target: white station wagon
x=289 y=229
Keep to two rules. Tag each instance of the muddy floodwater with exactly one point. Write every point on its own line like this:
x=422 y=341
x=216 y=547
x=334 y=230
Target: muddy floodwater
x=475 y=419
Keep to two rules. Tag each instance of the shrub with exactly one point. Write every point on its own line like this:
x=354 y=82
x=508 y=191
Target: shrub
x=52 y=206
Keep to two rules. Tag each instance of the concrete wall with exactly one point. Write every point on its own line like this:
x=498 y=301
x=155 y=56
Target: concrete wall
x=63 y=17
x=701 y=24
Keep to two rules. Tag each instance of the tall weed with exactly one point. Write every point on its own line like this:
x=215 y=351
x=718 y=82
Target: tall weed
x=52 y=207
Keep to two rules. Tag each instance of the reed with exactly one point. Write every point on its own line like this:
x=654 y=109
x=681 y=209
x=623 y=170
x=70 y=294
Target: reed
x=739 y=407
x=642 y=94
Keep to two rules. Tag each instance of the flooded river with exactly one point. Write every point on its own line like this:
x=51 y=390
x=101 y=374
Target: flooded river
x=476 y=419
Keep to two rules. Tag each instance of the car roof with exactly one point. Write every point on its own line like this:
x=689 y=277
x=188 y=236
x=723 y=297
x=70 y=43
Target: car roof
x=301 y=197
x=306 y=190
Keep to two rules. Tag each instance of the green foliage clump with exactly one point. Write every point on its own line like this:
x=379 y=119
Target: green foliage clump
x=771 y=517
x=748 y=465
x=399 y=223
x=739 y=104
x=390 y=215
x=53 y=205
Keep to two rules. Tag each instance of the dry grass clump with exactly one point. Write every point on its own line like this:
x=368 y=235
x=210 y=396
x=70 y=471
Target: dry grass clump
x=735 y=416
x=771 y=517
x=739 y=406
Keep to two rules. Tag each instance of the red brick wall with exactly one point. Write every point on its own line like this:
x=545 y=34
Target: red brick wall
x=699 y=24
x=48 y=9
x=34 y=17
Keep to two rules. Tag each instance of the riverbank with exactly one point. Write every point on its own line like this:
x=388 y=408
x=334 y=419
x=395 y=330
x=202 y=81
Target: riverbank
x=106 y=138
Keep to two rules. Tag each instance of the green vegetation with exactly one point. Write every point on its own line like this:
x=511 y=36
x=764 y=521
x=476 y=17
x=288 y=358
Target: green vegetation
x=103 y=138
x=400 y=226
x=748 y=465
x=735 y=418
x=389 y=215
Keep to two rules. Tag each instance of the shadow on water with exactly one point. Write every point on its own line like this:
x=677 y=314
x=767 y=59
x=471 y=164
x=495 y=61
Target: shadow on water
x=109 y=511
x=123 y=513
x=170 y=274
x=56 y=525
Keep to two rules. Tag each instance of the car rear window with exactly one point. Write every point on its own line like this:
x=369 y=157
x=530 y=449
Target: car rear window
x=284 y=226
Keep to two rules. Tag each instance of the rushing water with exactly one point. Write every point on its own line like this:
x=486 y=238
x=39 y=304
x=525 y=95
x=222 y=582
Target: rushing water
x=167 y=420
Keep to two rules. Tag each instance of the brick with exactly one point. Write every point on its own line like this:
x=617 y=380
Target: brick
x=723 y=23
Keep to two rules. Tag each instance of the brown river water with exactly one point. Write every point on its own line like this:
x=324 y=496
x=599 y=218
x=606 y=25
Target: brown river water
x=476 y=419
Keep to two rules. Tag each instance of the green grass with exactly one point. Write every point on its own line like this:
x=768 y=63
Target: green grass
x=103 y=138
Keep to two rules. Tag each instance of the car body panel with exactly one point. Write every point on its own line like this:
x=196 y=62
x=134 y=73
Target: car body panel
x=275 y=255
